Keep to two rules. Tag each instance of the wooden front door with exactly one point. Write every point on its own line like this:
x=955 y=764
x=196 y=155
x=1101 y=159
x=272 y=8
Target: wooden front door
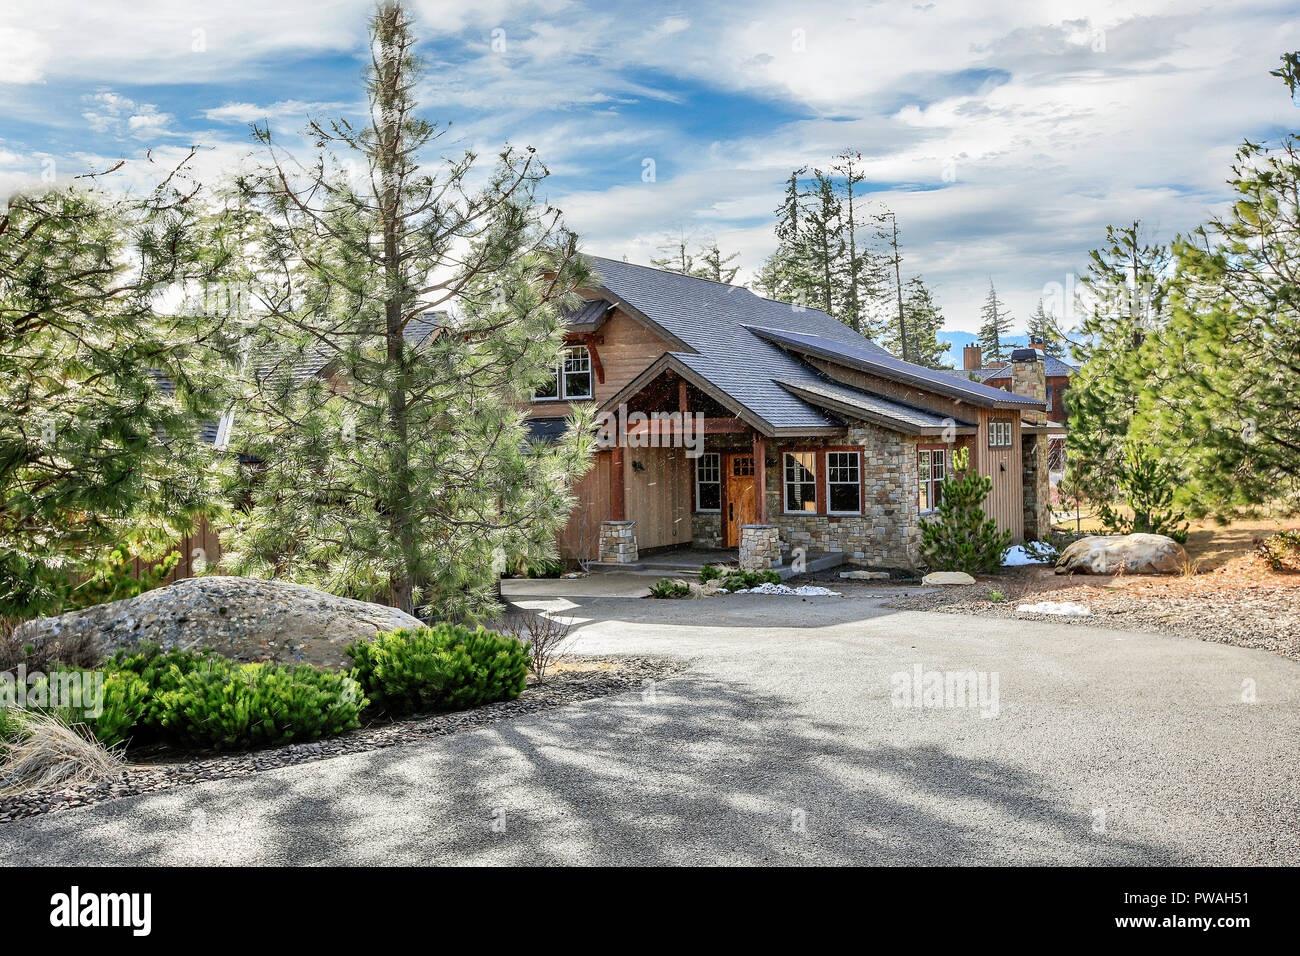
x=741 y=507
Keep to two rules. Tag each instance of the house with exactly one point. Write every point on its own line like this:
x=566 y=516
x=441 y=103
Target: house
x=742 y=422
x=1057 y=372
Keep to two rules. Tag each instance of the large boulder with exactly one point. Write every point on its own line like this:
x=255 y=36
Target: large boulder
x=244 y=618
x=1123 y=554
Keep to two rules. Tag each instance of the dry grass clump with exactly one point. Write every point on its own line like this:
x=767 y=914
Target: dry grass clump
x=40 y=750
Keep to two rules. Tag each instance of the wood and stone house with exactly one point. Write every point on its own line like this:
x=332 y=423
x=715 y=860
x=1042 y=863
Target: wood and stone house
x=742 y=422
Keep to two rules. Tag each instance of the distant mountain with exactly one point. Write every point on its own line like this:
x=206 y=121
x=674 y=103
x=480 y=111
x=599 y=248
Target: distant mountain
x=961 y=339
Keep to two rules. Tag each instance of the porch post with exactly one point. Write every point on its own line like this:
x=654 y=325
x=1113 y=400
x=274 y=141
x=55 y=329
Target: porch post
x=617 y=497
x=760 y=479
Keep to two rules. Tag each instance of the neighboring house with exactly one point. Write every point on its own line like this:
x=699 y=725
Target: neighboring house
x=808 y=426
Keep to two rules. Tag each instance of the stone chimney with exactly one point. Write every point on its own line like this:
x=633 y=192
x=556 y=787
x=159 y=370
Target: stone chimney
x=971 y=358
x=1029 y=378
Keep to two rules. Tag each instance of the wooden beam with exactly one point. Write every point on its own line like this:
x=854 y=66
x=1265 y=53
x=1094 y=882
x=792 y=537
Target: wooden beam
x=681 y=395
x=596 y=365
x=712 y=426
x=760 y=479
x=617 y=497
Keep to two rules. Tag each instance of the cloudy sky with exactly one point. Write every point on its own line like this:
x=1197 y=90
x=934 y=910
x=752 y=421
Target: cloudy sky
x=1004 y=135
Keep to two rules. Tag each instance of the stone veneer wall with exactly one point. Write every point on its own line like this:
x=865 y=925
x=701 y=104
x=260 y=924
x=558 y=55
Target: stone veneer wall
x=1035 y=487
x=706 y=529
x=886 y=534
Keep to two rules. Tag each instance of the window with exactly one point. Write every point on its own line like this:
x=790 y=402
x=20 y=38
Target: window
x=801 y=482
x=932 y=472
x=843 y=482
x=572 y=377
x=550 y=390
x=708 y=482
x=1000 y=434
x=577 y=372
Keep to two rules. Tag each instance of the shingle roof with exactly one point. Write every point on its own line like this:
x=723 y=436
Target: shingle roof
x=879 y=362
x=1053 y=367
x=713 y=321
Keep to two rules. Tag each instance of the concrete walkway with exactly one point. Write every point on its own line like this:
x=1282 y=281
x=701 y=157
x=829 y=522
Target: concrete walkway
x=785 y=743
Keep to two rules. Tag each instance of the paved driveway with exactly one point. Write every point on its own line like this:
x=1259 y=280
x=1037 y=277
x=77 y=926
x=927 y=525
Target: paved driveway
x=786 y=742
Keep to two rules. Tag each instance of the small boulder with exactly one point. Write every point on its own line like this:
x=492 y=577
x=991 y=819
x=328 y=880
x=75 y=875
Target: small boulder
x=947 y=577
x=1123 y=553
x=243 y=618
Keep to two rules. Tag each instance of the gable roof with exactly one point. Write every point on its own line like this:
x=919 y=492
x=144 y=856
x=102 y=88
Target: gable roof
x=710 y=323
x=1053 y=368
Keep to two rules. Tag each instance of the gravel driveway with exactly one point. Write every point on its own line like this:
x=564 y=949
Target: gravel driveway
x=786 y=742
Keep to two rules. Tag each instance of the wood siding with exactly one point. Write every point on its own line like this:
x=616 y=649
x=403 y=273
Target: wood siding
x=626 y=348
x=1005 y=503
x=659 y=496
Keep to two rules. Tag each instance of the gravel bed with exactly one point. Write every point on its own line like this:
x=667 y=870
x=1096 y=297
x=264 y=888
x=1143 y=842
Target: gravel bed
x=560 y=688
x=1264 y=618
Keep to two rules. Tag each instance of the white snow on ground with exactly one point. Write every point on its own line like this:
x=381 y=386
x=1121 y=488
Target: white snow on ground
x=1018 y=557
x=804 y=590
x=1064 y=608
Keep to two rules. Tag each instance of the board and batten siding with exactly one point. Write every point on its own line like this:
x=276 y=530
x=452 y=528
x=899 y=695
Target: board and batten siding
x=1005 y=503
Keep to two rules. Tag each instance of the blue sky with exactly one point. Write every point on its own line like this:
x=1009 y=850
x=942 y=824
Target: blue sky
x=1006 y=136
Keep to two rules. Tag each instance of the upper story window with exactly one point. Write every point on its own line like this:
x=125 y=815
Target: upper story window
x=999 y=433
x=844 y=482
x=572 y=379
x=801 y=482
x=708 y=482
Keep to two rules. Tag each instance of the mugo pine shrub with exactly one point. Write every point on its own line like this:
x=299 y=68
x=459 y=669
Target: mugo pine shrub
x=221 y=704
x=444 y=667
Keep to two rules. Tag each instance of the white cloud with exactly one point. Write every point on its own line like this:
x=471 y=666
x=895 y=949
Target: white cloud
x=23 y=55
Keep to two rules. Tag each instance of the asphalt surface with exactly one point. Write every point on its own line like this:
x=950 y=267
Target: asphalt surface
x=789 y=740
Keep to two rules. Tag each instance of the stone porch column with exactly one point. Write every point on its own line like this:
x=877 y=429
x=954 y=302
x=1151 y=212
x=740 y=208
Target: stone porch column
x=618 y=542
x=760 y=547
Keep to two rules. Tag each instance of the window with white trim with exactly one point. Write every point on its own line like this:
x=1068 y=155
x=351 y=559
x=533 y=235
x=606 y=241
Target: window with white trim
x=1000 y=433
x=843 y=483
x=800 y=482
x=572 y=378
x=577 y=372
x=931 y=473
x=708 y=482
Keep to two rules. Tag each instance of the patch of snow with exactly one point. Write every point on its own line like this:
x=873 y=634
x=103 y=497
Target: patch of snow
x=1018 y=557
x=804 y=590
x=1064 y=608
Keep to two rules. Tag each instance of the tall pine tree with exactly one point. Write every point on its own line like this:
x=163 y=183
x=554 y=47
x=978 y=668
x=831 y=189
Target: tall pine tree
x=995 y=325
x=435 y=305
x=1124 y=296
x=924 y=323
x=1043 y=327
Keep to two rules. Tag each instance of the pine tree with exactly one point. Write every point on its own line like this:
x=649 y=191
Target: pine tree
x=822 y=244
x=406 y=477
x=1220 y=389
x=856 y=270
x=924 y=322
x=674 y=255
x=710 y=263
x=995 y=324
x=1044 y=328
x=102 y=395
x=961 y=536
x=1124 y=294
x=890 y=269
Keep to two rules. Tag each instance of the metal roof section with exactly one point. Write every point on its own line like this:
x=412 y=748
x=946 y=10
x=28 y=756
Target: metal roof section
x=881 y=411
x=886 y=366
